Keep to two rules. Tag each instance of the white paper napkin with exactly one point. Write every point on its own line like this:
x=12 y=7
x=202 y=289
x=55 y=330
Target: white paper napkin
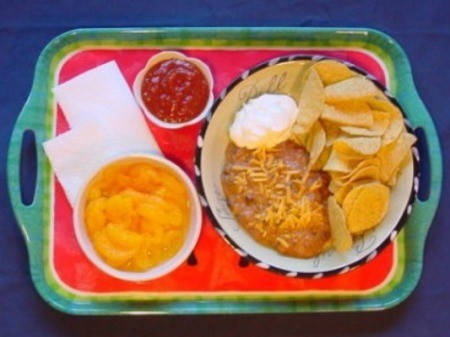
x=105 y=123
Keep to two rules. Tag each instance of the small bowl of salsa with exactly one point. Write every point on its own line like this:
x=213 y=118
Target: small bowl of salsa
x=174 y=90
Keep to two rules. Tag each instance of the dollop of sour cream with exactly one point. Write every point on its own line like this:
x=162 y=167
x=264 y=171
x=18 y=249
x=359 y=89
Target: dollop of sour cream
x=264 y=121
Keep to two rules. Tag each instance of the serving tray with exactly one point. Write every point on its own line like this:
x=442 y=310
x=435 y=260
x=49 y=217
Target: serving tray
x=214 y=279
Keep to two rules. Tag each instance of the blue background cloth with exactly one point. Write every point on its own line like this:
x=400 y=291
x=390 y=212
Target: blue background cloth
x=422 y=28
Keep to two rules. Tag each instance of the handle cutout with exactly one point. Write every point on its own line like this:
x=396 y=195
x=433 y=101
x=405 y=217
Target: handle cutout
x=28 y=167
x=424 y=163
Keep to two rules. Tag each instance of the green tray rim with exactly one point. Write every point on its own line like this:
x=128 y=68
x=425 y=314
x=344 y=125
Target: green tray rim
x=32 y=219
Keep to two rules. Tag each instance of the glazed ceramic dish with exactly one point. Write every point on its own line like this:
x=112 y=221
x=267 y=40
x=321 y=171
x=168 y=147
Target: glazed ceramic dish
x=216 y=278
x=211 y=149
x=163 y=56
x=165 y=267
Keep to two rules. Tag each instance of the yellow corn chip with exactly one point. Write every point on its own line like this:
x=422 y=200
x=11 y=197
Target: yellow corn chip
x=334 y=163
x=342 y=192
x=345 y=189
x=335 y=115
x=340 y=235
x=311 y=101
x=365 y=206
x=363 y=146
x=315 y=143
x=298 y=136
x=381 y=103
x=367 y=172
x=392 y=180
x=322 y=160
x=334 y=185
x=331 y=71
x=332 y=132
x=380 y=124
x=391 y=156
x=336 y=177
x=351 y=105
x=395 y=128
x=371 y=161
x=353 y=88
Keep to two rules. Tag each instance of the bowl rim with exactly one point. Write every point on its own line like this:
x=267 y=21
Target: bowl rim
x=167 y=266
x=371 y=253
x=165 y=55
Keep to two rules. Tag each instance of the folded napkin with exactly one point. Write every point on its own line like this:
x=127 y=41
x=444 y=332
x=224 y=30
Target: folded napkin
x=105 y=122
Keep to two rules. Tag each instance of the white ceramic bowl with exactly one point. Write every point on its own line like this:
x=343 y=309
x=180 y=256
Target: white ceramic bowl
x=166 y=55
x=165 y=267
x=210 y=160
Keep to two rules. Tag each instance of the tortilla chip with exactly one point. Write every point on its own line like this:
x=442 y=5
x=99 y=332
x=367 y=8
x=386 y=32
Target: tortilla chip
x=366 y=173
x=334 y=163
x=322 y=160
x=334 y=185
x=340 y=235
x=299 y=137
x=311 y=102
x=316 y=143
x=365 y=206
x=395 y=128
x=331 y=71
x=345 y=189
x=391 y=156
x=357 y=146
x=381 y=103
x=371 y=161
x=351 y=105
x=332 y=114
x=354 y=88
x=332 y=131
x=380 y=124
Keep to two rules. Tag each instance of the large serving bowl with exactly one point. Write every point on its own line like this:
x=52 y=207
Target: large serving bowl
x=281 y=75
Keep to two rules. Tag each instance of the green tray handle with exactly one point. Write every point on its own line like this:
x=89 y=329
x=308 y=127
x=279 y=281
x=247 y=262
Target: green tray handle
x=29 y=217
x=419 y=117
x=418 y=224
x=423 y=209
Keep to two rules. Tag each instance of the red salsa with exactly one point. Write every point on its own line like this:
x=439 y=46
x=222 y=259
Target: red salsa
x=175 y=91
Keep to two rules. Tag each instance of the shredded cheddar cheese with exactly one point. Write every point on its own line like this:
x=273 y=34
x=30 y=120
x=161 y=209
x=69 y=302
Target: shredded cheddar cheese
x=284 y=188
x=275 y=197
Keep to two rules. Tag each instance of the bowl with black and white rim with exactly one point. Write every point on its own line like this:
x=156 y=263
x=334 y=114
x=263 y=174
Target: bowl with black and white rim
x=280 y=75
